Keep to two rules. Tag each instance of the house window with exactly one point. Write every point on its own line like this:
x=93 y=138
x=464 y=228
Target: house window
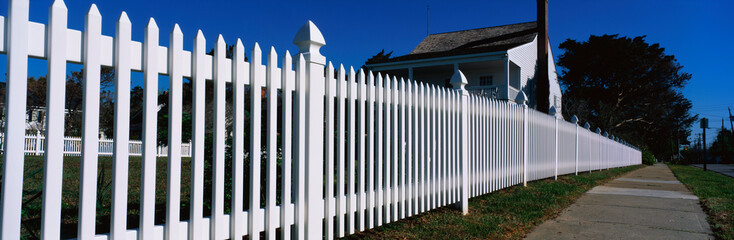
x=486 y=80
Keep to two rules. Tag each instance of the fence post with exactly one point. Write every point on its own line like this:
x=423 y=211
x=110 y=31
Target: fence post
x=598 y=144
x=458 y=81
x=38 y=143
x=604 y=151
x=309 y=40
x=522 y=100
x=575 y=121
x=588 y=127
x=552 y=111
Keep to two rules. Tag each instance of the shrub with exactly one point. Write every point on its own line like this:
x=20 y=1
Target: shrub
x=648 y=158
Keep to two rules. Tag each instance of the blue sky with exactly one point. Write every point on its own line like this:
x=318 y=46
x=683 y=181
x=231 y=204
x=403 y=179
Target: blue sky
x=695 y=32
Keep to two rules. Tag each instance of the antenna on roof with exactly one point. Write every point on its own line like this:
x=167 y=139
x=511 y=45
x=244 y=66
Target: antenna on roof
x=427 y=11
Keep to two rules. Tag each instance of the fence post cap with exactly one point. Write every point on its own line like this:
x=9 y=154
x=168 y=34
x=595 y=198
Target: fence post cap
x=309 y=40
x=521 y=98
x=575 y=119
x=606 y=134
x=552 y=111
x=587 y=126
x=598 y=130
x=458 y=80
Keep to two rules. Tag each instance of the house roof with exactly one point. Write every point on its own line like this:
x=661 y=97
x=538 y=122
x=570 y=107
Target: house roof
x=480 y=40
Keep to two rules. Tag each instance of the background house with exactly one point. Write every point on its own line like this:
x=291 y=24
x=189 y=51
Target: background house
x=497 y=61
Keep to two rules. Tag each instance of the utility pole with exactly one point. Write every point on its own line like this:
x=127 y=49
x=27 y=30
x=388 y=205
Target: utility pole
x=731 y=118
x=704 y=125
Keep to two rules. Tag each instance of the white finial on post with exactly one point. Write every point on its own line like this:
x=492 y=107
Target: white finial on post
x=574 y=119
x=598 y=131
x=309 y=40
x=552 y=111
x=587 y=126
x=458 y=80
x=521 y=98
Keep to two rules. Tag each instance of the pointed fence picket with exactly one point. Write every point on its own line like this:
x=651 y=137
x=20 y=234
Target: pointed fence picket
x=390 y=147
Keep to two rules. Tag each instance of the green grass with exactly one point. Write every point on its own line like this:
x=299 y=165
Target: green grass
x=33 y=195
x=506 y=214
x=716 y=193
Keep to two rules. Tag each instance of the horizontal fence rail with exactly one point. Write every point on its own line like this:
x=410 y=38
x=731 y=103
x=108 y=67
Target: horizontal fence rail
x=35 y=144
x=336 y=150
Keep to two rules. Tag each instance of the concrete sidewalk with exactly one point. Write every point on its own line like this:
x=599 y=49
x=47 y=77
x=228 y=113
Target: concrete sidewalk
x=648 y=203
x=726 y=169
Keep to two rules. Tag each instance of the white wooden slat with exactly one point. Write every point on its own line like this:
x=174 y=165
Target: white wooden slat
x=394 y=191
x=487 y=133
x=389 y=156
x=361 y=88
x=330 y=91
x=272 y=77
x=472 y=148
x=150 y=132
x=429 y=155
x=433 y=146
x=287 y=79
x=196 y=228
x=301 y=148
x=445 y=146
x=456 y=143
x=401 y=146
x=509 y=163
x=90 y=124
x=428 y=148
x=453 y=144
x=439 y=146
x=351 y=151
x=480 y=143
x=2 y=35
x=220 y=68
x=500 y=152
x=371 y=150
x=409 y=148
x=239 y=74
x=493 y=145
x=422 y=147
x=446 y=139
x=175 y=98
x=380 y=147
x=122 y=124
x=55 y=91
x=255 y=145
x=341 y=204
x=449 y=147
x=436 y=146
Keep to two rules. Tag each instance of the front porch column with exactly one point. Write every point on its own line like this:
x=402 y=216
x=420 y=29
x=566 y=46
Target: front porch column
x=504 y=91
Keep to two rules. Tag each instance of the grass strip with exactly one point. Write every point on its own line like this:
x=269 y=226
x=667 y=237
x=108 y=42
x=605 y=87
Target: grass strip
x=716 y=193
x=509 y=213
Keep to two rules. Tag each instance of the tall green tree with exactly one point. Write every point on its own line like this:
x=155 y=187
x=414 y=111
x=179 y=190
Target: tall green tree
x=723 y=146
x=629 y=88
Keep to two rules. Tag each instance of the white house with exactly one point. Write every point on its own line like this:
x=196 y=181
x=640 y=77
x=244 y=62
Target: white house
x=497 y=61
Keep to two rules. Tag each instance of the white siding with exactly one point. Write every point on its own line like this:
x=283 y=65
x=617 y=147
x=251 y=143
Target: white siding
x=525 y=56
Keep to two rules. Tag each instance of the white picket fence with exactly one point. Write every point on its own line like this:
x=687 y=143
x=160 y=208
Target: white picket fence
x=381 y=150
x=35 y=144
